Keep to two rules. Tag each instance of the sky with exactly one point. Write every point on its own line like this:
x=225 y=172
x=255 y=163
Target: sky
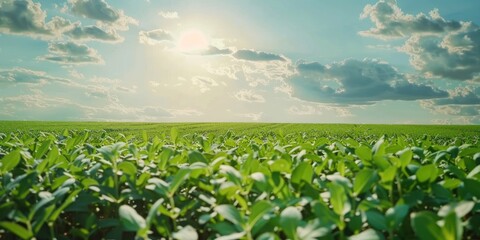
x=343 y=61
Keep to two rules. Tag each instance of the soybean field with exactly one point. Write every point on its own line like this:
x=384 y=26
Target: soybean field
x=80 y=180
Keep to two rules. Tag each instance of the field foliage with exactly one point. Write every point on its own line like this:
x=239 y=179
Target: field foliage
x=235 y=182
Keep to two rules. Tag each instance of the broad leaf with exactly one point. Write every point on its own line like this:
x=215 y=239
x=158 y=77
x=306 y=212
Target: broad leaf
x=130 y=219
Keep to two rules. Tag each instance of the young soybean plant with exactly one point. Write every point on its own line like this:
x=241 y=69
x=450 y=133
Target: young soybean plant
x=302 y=184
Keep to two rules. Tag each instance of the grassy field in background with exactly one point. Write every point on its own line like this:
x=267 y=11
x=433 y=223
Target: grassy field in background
x=338 y=130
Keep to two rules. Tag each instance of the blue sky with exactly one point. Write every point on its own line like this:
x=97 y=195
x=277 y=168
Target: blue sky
x=269 y=61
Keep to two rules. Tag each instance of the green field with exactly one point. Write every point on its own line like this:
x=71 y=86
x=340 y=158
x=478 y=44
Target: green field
x=338 y=130
x=81 y=180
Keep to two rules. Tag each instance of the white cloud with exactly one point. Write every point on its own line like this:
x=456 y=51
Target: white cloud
x=455 y=56
x=97 y=33
x=27 y=76
x=262 y=73
x=438 y=48
x=168 y=14
x=76 y=74
x=249 y=96
x=253 y=55
x=105 y=14
x=391 y=22
x=204 y=84
x=72 y=53
x=24 y=17
x=154 y=37
x=230 y=71
x=356 y=82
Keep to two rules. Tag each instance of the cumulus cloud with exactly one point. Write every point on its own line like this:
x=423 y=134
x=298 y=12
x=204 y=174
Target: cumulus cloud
x=455 y=56
x=212 y=50
x=437 y=47
x=263 y=72
x=168 y=14
x=391 y=22
x=22 y=75
x=249 y=96
x=461 y=96
x=229 y=71
x=100 y=10
x=356 y=82
x=204 y=84
x=72 y=53
x=154 y=37
x=24 y=17
x=463 y=102
x=35 y=100
x=93 y=33
x=468 y=114
x=252 y=55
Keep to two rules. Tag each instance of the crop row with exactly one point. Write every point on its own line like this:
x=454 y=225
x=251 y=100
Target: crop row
x=227 y=186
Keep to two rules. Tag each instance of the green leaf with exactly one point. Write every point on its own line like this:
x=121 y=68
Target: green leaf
x=474 y=172
x=46 y=199
x=376 y=219
x=195 y=156
x=303 y=171
x=427 y=173
x=16 y=229
x=379 y=147
x=230 y=213
x=452 y=228
x=152 y=213
x=268 y=236
x=128 y=168
x=425 y=226
x=368 y=234
x=289 y=220
x=186 y=233
x=451 y=183
x=164 y=157
x=281 y=165
x=130 y=219
x=232 y=236
x=472 y=187
x=324 y=214
x=43 y=149
x=406 y=157
x=65 y=203
x=312 y=231
x=396 y=215
x=110 y=152
x=461 y=208
x=364 y=153
x=388 y=174
x=144 y=136
x=338 y=199
x=258 y=210
x=178 y=179
x=174 y=135
x=364 y=181
x=10 y=161
x=260 y=181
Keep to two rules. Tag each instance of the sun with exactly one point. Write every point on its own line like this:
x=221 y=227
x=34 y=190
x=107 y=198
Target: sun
x=193 y=41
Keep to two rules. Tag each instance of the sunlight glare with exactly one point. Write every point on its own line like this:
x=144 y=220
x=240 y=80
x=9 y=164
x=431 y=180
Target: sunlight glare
x=192 y=41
